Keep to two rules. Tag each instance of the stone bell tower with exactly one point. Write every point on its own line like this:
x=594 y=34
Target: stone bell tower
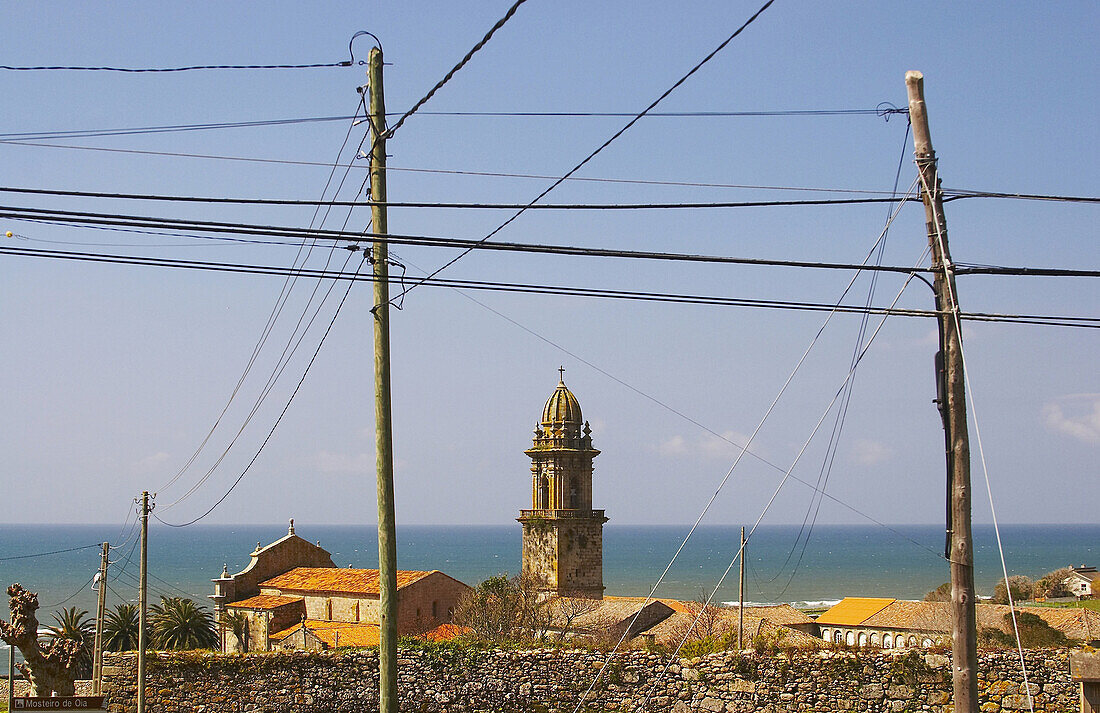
x=562 y=534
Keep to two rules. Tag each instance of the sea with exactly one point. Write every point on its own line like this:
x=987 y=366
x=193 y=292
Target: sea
x=806 y=567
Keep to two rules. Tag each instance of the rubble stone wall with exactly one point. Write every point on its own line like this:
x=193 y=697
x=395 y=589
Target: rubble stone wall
x=552 y=681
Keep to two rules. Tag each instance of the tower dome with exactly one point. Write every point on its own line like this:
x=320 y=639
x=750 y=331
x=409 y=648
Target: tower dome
x=562 y=407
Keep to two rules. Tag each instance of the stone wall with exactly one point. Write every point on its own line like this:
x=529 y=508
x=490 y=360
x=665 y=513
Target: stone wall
x=23 y=688
x=551 y=681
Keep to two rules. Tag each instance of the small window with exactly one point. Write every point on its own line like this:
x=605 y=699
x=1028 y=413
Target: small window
x=418 y=612
x=435 y=610
x=838 y=637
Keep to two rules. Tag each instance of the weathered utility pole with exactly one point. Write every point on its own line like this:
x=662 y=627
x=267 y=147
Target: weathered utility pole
x=97 y=656
x=387 y=535
x=143 y=601
x=11 y=677
x=741 y=595
x=964 y=648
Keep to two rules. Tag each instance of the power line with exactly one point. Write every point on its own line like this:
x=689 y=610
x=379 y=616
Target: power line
x=139 y=70
x=281 y=414
x=438 y=204
x=454 y=70
x=569 y=291
x=47 y=554
x=115 y=219
x=599 y=148
x=207 y=126
x=950 y=193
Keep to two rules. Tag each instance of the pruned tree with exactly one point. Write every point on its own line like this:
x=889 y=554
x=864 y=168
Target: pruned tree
x=51 y=668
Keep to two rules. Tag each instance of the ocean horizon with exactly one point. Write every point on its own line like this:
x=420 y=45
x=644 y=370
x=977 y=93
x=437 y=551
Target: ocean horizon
x=899 y=561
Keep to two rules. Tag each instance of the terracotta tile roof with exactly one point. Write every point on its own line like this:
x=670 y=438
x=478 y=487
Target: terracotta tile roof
x=777 y=613
x=1076 y=623
x=671 y=631
x=444 y=632
x=674 y=604
x=333 y=579
x=265 y=601
x=917 y=616
x=326 y=631
x=853 y=611
x=581 y=613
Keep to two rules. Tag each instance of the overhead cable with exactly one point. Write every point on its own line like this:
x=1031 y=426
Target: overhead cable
x=599 y=148
x=454 y=70
x=134 y=221
x=1044 y=320
x=439 y=204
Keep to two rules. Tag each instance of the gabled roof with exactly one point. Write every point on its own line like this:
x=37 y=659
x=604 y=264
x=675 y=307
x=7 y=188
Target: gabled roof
x=266 y=601
x=331 y=579
x=853 y=611
x=326 y=631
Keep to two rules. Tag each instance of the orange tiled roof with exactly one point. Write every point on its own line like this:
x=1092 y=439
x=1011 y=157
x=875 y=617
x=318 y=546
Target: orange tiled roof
x=853 y=611
x=444 y=632
x=911 y=615
x=332 y=579
x=326 y=631
x=265 y=601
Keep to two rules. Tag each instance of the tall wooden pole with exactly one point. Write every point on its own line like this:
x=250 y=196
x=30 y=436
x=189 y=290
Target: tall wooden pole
x=11 y=676
x=97 y=657
x=143 y=601
x=964 y=639
x=741 y=596
x=387 y=535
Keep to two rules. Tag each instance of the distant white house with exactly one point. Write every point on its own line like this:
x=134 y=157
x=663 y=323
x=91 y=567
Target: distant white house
x=1082 y=581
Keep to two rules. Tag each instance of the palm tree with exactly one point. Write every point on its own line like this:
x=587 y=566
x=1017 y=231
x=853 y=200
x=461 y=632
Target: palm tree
x=120 y=628
x=180 y=624
x=237 y=623
x=73 y=624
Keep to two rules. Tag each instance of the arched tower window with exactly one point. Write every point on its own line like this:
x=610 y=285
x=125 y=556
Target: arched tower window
x=574 y=496
x=544 y=493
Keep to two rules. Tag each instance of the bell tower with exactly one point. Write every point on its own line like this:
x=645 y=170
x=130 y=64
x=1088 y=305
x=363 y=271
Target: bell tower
x=562 y=534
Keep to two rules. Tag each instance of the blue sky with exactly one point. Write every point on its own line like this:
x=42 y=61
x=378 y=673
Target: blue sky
x=115 y=374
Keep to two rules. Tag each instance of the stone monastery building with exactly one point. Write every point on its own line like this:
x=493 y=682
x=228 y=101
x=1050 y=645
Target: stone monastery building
x=292 y=595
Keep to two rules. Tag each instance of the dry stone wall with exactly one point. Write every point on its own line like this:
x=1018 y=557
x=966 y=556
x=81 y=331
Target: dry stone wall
x=553 y=681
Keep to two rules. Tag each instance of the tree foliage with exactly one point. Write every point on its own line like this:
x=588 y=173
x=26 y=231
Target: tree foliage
x=1019 y=585
x=180 y=624
x=503 y=609
x=941 y=593
x=120 y=628
x=75 y=626
x=1053 y=584
x=1035 y=633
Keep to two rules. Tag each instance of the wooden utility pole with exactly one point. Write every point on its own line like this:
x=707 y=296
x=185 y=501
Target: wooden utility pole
x=387 y=535
x=143 y=601
x=964 y=648
x=11 y=676
x=741 y=596
x=97 y=656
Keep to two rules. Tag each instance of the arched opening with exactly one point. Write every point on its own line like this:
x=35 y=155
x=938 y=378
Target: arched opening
x=875 y=640
x=926 y=643
x=887 y=641
x=826 y=635
x=863 y=638
x=912 y=640
x=838 y=637
x=574 y=499
x=850 y=638
x=543 y=494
